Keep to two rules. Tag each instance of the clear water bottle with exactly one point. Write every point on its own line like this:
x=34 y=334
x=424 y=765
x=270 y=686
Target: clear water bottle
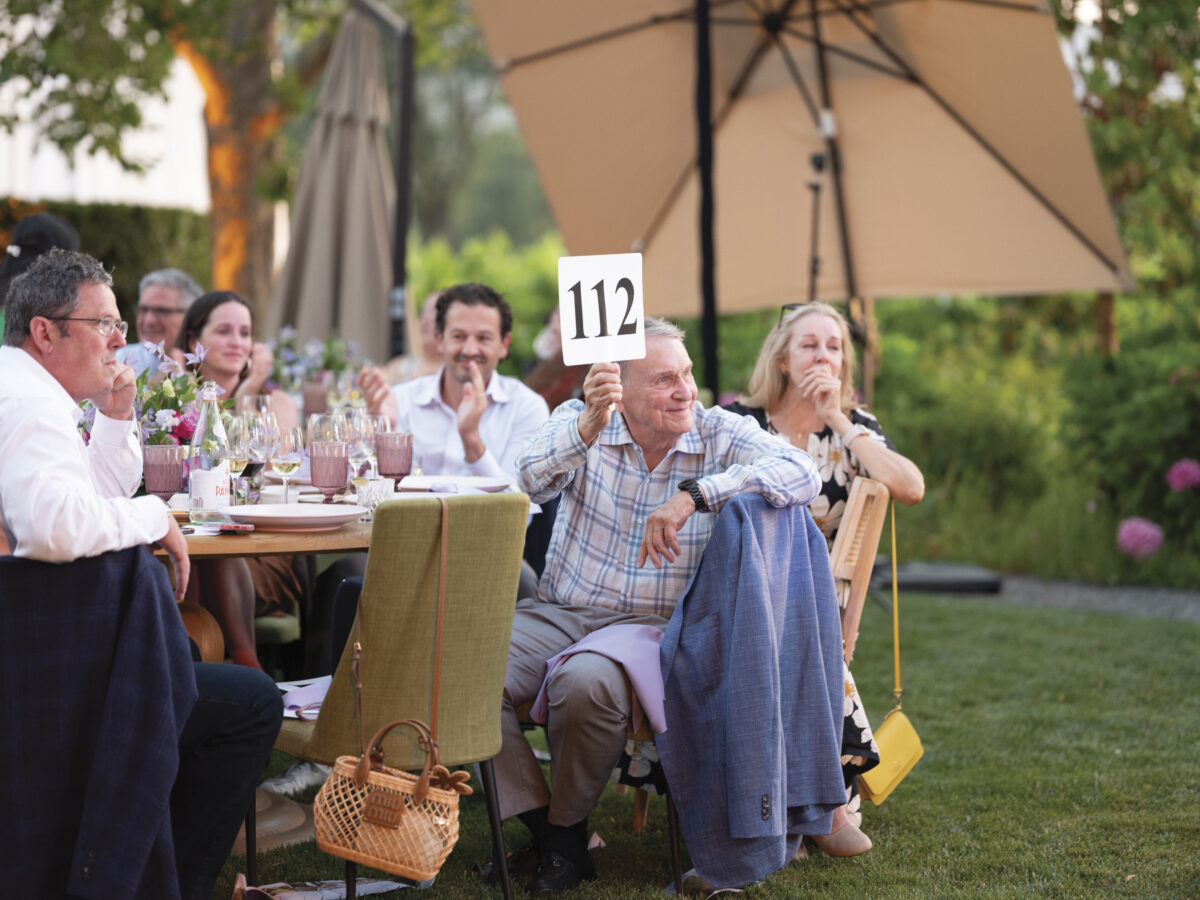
x=208 y=460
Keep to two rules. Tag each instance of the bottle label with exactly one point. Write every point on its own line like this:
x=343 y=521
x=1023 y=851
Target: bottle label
x=209 y=488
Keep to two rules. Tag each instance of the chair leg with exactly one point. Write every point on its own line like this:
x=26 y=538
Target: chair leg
x=351 y=880
x=252 y=841
x=641 y=807
x=499 y=858
x=673 y=827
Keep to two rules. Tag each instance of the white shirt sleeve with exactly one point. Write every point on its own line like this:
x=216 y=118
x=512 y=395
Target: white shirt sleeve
x=53 y=509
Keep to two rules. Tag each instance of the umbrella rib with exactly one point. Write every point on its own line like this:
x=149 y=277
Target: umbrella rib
x=794 y=71
x=853 y=57
x=735 y=89
x=682 y=15
x=982 y=141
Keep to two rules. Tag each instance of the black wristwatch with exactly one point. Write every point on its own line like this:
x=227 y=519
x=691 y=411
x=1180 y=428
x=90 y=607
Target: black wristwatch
x=693 y=488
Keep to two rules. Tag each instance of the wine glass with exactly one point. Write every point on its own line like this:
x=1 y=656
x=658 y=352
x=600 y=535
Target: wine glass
x=394 y=450
x=237 y=432
x=327 y=426
x=360 y=436
x=287 y=454
x=327 y=464
x=162 y=466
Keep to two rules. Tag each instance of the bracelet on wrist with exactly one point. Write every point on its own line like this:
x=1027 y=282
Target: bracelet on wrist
x=855 y=431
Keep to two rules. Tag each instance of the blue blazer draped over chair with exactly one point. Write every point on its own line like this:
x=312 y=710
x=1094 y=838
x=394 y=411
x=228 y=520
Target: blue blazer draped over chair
x=752 y=672
x=96 y=683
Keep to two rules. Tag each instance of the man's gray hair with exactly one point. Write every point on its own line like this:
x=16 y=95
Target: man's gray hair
x=177 y=279
x=656 y=327
x=50 y=287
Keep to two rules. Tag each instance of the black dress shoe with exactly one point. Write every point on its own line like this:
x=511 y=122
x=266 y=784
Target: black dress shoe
x=560 y=873
x=522 y=865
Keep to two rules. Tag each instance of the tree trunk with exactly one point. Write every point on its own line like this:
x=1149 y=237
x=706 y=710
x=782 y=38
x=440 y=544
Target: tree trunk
x=242 y=118
x=866 y=332
x=1106 y=326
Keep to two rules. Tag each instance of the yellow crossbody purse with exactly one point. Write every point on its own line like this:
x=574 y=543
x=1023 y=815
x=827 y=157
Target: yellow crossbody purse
x=899 y=745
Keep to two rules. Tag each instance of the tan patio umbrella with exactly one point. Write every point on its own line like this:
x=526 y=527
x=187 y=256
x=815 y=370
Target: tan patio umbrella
x=956 y=158
x=338 y=272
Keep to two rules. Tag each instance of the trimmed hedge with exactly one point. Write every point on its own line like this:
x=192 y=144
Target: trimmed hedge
x=130 y=240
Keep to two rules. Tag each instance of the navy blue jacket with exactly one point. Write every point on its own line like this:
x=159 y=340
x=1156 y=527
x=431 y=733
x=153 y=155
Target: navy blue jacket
x=96 y=683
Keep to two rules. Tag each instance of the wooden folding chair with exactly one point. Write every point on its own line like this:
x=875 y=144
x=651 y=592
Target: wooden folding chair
x=853 y=555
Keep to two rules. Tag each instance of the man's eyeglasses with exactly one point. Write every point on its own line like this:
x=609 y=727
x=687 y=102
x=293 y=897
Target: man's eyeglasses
x=160 y=311
x=106 y=325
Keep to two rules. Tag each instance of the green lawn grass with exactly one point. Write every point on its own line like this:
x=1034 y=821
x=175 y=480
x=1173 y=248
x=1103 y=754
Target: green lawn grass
x=1062 y=759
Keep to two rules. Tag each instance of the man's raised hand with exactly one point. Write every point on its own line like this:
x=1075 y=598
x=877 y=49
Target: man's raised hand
x=601 y=391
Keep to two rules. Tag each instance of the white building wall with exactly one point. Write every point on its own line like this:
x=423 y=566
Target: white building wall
x=171 y=145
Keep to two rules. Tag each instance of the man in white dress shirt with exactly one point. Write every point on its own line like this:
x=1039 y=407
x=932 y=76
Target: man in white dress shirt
x=61 y=501
x=466 y=419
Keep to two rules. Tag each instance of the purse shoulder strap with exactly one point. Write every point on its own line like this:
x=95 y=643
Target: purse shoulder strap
x=895 y=612
x=356 y=659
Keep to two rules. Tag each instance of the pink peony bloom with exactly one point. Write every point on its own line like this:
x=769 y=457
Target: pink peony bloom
x=187 y=424
x=1138 y=537
x=1184 y=474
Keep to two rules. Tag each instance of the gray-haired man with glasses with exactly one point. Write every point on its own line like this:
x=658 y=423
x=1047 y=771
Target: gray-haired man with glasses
x=163 y=297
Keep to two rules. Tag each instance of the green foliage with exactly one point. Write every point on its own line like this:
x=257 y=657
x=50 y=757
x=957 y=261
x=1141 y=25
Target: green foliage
x=501 y=190
x=1135 y=417
x=1141 y=103
x=129 y=240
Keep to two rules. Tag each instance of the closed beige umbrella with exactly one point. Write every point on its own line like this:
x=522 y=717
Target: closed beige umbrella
x=338 y=272
x=963 y=165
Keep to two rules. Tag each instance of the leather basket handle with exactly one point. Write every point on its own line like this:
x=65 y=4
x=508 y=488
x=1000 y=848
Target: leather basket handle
x=372 y=760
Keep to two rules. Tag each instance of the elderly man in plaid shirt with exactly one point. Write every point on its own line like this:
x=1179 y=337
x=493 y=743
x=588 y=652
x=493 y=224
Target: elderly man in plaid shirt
x=641 y=468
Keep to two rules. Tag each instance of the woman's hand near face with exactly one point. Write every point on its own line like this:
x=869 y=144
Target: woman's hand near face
x=824 y=390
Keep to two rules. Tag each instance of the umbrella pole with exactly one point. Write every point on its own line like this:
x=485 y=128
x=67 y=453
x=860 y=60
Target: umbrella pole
x=401 y=32
x=704 y=161
x=814 y=259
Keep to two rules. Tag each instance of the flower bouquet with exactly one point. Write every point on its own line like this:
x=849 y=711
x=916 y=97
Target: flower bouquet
x=327 y=367
x=165 y=405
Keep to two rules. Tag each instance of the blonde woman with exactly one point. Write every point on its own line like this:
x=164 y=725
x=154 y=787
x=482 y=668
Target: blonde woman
x=803 y=390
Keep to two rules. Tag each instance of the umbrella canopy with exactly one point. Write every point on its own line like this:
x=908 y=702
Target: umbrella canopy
x=957 y=160
x=338 y=272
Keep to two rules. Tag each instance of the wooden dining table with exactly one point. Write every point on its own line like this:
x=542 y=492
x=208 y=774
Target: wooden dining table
x=343 y=539
x=200 y=624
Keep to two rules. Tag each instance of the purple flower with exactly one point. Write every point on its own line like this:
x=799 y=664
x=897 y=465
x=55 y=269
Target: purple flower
x=1138 y=537
x=1184 y=474
x=194 y=359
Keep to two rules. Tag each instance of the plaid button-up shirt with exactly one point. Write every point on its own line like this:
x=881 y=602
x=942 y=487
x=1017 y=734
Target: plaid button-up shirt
x=607 y=494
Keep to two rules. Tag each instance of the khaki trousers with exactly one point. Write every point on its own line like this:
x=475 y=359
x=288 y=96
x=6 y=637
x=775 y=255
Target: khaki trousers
x=589 y=710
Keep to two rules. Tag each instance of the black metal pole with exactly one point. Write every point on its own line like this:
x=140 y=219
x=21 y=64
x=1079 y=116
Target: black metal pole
x=814 y=258
x=402 y=34
x=704 y=167
x=406 y=75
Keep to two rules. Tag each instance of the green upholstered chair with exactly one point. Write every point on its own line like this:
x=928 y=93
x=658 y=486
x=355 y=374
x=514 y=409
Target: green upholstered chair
x=397 y=620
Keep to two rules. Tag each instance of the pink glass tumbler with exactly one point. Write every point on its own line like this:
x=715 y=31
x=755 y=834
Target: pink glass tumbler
x=162 y=468
x=393 y=454
x=327 y=462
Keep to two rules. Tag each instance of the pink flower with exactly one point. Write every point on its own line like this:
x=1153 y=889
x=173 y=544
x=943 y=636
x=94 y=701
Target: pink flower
x=187 y=424
x=1138 y=537
x=1184 y=474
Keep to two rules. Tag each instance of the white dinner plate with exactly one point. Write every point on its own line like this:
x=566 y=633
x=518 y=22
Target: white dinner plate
x=295 y=516
x=452 y=483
